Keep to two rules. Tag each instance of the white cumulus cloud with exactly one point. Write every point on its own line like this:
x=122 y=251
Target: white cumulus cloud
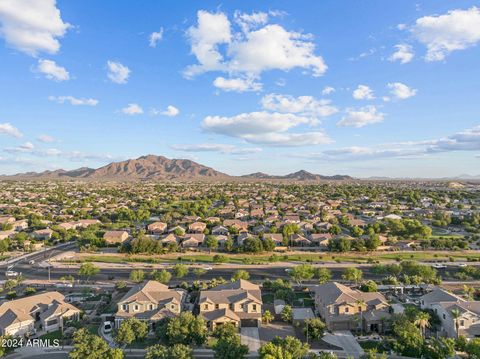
x=456 y=30
x=363 y=92
x=362 y=117
x=32 y=26
x=74 y=100
x=258 y=47
x=216 y=147
x=327 y=90
x=301 y=104
x=155 y=37
x=7 y=129
x=237 y=84
x=401 y=91
x=403 y=53
x=52 y=71
x=266 y=128
x=132 y=109
x=45 y=138
x=117 y=72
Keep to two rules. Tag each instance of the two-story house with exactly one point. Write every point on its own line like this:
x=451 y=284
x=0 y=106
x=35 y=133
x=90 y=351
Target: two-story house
x=150 y=301
x=457 y=315
x=239 y=303
x=344 y=308
x=45 y=312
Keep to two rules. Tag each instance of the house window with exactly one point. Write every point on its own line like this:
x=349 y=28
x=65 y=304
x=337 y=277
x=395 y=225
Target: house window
x=52 y=322
x=217 y=306
x=125 y=307
x=205 y=307
x=444 y=317
x=135 y=308
x=462 y=323
x=347 y=309
x=172 y=306
x=359 y=308
x=150 y=306
x=231 y=306
x=254 y=307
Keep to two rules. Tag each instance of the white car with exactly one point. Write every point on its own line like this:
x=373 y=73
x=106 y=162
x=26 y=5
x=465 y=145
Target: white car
x=12 y=274
x=462 y=264
x=31 y=262
x=207 y=268
x=107 y=327
x=439 y=266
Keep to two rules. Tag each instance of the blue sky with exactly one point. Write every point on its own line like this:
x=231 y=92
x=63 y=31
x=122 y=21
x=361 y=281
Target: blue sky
x=360 y=88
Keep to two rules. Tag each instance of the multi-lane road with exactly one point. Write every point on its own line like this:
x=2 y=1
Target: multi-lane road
x=39 y=271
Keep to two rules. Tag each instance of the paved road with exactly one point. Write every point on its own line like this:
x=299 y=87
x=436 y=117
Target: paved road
x=260 y=273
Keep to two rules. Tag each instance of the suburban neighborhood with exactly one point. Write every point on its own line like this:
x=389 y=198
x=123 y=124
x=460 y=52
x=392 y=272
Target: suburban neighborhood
x=334 y=269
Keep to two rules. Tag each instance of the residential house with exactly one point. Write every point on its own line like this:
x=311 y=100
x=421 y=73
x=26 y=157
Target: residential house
x=193 y=240
x=444 y=304
x=239 y=303
x=277 y=238
x=115 y=237
x=43 y=234
x=197 y=227
x=344 y=308
x=46 y=311
x=220 y=230
x=150 y=301
x=156 y=227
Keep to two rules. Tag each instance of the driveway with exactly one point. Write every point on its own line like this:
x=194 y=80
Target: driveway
x=345 y=340
x=251 y=338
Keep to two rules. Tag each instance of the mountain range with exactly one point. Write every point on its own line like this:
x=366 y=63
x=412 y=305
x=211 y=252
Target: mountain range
x=159 y=168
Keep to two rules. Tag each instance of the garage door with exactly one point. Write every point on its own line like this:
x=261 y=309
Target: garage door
x=249 y=323
x=339 y=326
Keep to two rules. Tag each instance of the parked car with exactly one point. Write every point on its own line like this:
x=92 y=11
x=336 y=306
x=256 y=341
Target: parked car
x=107 y=327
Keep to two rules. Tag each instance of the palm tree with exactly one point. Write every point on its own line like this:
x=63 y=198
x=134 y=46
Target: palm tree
x=468 y=292
x=267 y=317
x=360 y=302
x=422 y=320
x=456 y=316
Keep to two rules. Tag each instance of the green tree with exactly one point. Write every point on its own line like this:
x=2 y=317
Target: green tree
x=137 y=275
x=267 y=317
x=352 y=274
x=240 y=274
x=226 y=330
x=284 y=348
x=369 y=286
x=131 y=330
x=91 y=346
x=287 y=314
x=302 y=272
x=440 y=348
x=323 y=275
x=314 y=328
x=88 y=270
x=230 y=348
x=177 y=351
x=212 y=243
x=456 y=314
x=180 y=270
x=184 y=329
x=472 y=348
x=409 y=340
x=163 y=276
x=199 y=272
x=422 y=320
